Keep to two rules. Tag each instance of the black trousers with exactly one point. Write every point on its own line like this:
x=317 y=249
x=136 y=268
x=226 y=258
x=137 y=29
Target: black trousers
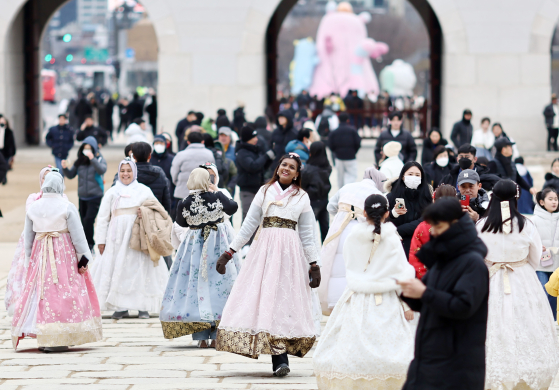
x=552 y=134
x=279 y=359
x=322 y=216
x=88 y=213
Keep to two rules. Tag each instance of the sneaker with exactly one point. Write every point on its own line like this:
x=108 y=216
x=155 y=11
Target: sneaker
x=282 y=370
x=144 y=315
x=202 y=344
x=55 y=349
x=119 y=315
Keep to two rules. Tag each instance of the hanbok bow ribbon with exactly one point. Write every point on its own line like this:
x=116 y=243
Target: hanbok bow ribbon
x=47 y=246
x=351 y=214
x=505 y=217
x=506 y=267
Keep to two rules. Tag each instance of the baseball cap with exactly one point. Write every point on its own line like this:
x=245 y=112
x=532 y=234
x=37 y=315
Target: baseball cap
x=468 y=176
x=502 y=142
x=225 y=130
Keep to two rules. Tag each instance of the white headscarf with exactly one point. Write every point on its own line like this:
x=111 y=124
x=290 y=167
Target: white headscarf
x=132 y=164
x=53 y=184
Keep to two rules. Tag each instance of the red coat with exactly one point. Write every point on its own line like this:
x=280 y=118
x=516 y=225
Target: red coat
x=420 y=237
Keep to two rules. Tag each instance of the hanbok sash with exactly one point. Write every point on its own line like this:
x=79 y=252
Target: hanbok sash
x=48 y=246
x=352 y=213
x=494 y=267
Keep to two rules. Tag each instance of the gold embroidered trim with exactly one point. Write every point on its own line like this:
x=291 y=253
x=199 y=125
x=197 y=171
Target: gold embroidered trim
x=391 y=383
x=58 y=334
x=172 y=330
x=249 y=345
x=277 y=222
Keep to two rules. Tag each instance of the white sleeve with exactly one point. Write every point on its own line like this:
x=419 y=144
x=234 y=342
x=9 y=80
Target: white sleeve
x=76 y=233
x=177 y=235
x=535 y=252
x=332 y=207
x=306 y=225
x=250 y=224
x=103 y=218
x=29 y=238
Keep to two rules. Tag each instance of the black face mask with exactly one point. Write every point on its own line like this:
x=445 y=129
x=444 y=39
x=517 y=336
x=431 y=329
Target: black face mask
x=465 y=163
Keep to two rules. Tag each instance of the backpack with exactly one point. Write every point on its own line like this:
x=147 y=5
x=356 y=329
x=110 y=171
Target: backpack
x=324 y=127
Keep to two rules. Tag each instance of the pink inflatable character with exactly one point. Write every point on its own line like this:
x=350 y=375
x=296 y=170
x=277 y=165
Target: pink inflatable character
x=344 y=51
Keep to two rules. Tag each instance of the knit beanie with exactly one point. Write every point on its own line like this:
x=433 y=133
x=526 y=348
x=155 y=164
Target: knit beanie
x=392 y=148
x=247 y=134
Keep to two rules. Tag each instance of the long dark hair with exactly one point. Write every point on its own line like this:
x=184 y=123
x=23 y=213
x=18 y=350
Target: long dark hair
x=504 y=190
x=375 y=207
x=318 y=156
x=82 y=158
x=296 y=182
x=540 y=196
x=423 y=191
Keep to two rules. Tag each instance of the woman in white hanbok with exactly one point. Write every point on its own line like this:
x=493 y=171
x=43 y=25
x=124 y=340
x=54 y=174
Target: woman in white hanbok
x=347 y=207
x=522 y=351
x=125 y=279
x=368 y=341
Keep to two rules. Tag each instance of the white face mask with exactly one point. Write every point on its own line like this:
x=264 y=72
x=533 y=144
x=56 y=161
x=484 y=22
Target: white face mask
x=159 y=148
x=412 y=182
x=86 y=151
x=442 y=162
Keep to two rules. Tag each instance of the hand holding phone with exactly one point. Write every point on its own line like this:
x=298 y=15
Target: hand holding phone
x=465 y=200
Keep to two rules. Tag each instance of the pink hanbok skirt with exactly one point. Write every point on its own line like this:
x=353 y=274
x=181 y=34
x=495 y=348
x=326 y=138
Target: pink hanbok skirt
x=16 y=277
x=269 y=309
x=56 y=314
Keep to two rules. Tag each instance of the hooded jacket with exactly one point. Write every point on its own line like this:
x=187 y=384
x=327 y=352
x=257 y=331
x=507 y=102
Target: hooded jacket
x=409 y=148
x=251 y=164
x=281 y=136
x=548 y=227
x=450 y=339
x=462 y=132
x=315 y=181
x=345 y=142
x=90 y=177
x=298 y=147
x=436 y=173
x=391 y=167
x=428 y=154
x=488 y=180
x=264 y=135
x=499 y=167
x=60 y=139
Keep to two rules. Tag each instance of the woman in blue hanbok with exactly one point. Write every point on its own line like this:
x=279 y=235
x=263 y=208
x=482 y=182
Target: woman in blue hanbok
x=196 y=294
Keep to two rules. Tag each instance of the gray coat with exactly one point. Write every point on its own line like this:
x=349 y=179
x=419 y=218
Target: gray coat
x=90 y=177
x=184 y=162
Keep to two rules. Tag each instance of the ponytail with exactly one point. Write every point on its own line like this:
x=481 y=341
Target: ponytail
x=375 y=207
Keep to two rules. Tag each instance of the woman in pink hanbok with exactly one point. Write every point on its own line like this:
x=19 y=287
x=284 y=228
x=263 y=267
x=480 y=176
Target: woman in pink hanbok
x=16 y=276
x=58 y=305
x=269 y=309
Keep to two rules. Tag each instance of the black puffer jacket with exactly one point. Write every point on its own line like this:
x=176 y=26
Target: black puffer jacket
x=251 y=164
x=264 y=135
x=428 y=154
x=450 y=338
x=282 y=135
x=462 y=132
x=551 y=181
x=154 y=177
x=499 y=167
x=409 y=148
x=435 y=173
x=344 y=142
x=315 y=181
x=488 y=180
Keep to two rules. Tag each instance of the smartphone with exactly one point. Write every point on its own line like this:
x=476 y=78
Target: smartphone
x=83 y=262
x=400 y=203
x=465 y=200
x=212 y=179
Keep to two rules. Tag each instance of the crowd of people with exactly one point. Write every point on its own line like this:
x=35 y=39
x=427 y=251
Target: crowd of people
x=437 y=256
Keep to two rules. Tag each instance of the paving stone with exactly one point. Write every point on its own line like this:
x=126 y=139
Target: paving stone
x=156 y=359
x=50 y=361
x=191 y=386
x=290 y=386
x=73 y=386
x=178 y=365
x=261 y=373
x=269 y=378
x=131 y=374
x=79 y=367
x=147 y=381
x=35 y=374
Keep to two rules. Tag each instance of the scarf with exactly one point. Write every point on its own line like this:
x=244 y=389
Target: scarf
x=507 y=164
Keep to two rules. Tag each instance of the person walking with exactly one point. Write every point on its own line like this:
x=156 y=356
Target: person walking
x=269 y=309
x=83 y=109
x=391 y=165
x=194 y=287
x=300 y=145
x=546 y=220
x=184 y=124
x=60 y=139
x=88 y=129
x=551 y=117
x=434 y=140
x=136 y=107
x=136 y=132
x=118 y=287
x=344 y=143
x=283 y=133
x=348 y=354
x=408 y=196
x=483 y=139
x=58 y=305
x=435 y=171
x=123 y=115
x=394 y=132
x=7 y=142
x=452 y=299
x=151 y=109
x=251 y=164
x=90 y=166
x=316 y=182
x=462 y=130
x=346 y=206
x=522 y=350
x=163 y=158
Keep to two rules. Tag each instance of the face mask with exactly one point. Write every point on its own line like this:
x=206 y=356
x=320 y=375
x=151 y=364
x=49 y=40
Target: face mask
x=465 y=163
x=412 y=182
x=159 y=149
x=86 y=152
x=442 y=162
x=2 y=125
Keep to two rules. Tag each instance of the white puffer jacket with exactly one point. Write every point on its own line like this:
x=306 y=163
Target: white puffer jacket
x=548 y=227
x=391 y=167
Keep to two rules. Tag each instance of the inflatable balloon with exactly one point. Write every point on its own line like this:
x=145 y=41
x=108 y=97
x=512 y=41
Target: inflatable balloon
x=344 y=51
x=302 y=67
x=398 y=79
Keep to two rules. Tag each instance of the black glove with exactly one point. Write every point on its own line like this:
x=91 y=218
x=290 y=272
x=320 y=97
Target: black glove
x=222 y=262
x=314 y=275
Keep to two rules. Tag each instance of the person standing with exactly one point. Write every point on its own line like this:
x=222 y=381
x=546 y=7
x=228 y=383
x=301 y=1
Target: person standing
x=251 y=163
x=498 y=132
x=136 y=107
x=348 y=354
x=196 y=294
x=462 y=130
x=60 y=139
x=432 y=142
x=439 y=168
x=90 y=166
x=88 y=129
x=151 y=109
x=7 y=142
x=552 y=178
x=504 y=167
x=467 y=160
x=224 y=137
x=124 y=115
x=125 y=278
x=522 y=349
x=283 y=133
x=526 y=200
x=136 y=132
x=546 y=220
x=344 y=143
x=83 y=109
x=188 y=159
x=300 y=145
x=264 y=135
x=483 y=139
x=163 y=158
x=58 y=305
x=469 y=185
x=452 y=301
x=269 y=309
x=394 y=132
x=551 y=116
x=184 y=124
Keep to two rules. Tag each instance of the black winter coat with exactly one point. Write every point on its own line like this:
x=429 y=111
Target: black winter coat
x=427 y=156
x=344 y=142
x=251 y=164
x=497 y=167
x=281 y=136
x=434 y=173
x=462 y=132
x=409 y=148
x=551 y=181
x=136 y=109
x=315 y=181
x=450 y=338
x=164 y=161
x=9 y=149
x=549 y=114
x=264 y=135
x=488 y=180
x=3 y=168
x=98 y=133
x=60 y=139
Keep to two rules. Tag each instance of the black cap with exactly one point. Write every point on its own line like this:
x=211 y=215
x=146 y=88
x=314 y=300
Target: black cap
x=247 y=134
x=502 y=142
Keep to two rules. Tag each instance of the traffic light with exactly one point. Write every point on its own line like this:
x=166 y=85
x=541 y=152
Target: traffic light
x=48 y=57
x=67 y=37
x=69 y=58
